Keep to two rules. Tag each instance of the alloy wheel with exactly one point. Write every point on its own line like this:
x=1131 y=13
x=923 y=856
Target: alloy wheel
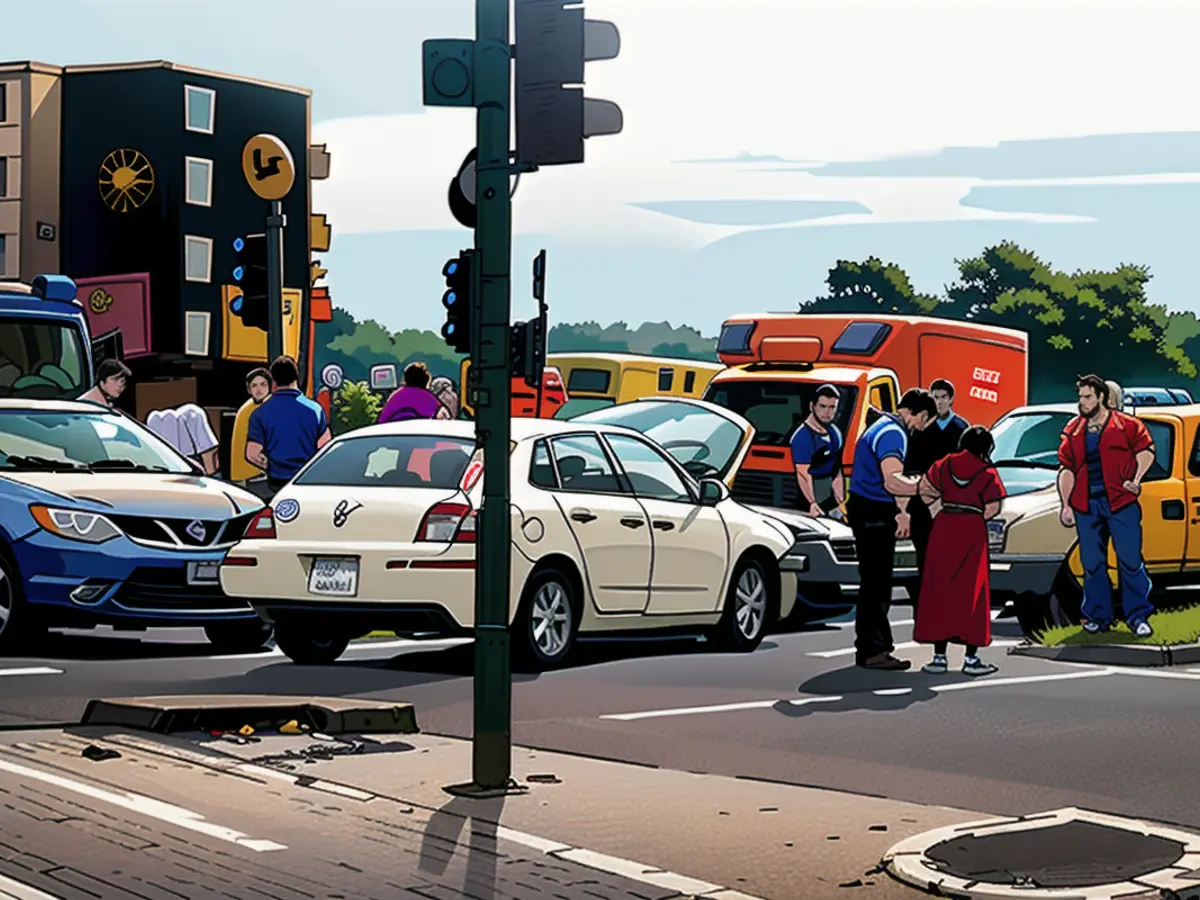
x=550 y=619
x=6 y=600
x=750 y=608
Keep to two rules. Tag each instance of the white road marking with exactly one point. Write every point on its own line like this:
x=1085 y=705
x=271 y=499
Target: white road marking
x=146 y=806
x=1189 y=675
x=892 y=692
x=15 y=890
x=720 y=707
x=1022 y=679
x=907 y=645
x=32 y=670
x=355 y=647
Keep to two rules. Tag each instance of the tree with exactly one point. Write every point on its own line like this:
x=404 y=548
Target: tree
x=355 y=406
x=872 y=286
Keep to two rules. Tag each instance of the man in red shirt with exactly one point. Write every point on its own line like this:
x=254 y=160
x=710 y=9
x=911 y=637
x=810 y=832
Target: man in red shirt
x=1104 y=454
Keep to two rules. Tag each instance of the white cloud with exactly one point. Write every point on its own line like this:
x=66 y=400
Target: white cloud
x=804 y=79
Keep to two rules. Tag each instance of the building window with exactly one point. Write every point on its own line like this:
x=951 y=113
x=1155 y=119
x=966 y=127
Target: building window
x=3 y=255
x=197 y=258
x=199 y=109
x=196 y=333
x=3 y=101
x=3 y=177
x=198 y=181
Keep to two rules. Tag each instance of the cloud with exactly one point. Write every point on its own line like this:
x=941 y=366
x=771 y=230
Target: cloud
x=753 y=212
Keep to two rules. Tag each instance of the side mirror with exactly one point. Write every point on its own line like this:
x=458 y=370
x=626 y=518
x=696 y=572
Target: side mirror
x=713 y=492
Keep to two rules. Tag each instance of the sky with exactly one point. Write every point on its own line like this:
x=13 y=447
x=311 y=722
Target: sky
x=763 y=141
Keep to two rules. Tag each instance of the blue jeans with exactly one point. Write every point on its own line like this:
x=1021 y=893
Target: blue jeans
x=1124 y=526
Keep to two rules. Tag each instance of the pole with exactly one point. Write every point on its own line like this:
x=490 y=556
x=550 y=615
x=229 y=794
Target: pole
x=492 y=746
x=275 y=225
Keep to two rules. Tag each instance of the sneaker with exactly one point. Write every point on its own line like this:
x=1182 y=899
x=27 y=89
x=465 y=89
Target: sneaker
x=1142 y=629
x=937 y=666
x=1094 y=627
x=977 y=667
x=885 y=662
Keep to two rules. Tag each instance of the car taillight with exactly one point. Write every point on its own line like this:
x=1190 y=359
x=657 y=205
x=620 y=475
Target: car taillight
x=448 y=522
x=261 y=527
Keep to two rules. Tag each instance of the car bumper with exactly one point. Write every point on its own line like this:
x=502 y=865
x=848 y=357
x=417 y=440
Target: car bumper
x=817 y=563
x=132 y=585
x=431 y=585
x=1024 y=574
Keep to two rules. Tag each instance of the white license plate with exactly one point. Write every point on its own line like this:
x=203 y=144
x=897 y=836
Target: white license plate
x=204 y=572
x=334 y=577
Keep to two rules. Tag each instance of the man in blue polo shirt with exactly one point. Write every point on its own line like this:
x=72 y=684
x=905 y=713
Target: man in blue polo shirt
x=287 y=429
x=817 y=456
x=878 y=513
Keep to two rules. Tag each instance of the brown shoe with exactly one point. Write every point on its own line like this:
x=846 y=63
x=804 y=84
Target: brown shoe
x=885 y=662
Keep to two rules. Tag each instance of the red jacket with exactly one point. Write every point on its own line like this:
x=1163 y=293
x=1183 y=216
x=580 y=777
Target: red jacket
x=1121 y=440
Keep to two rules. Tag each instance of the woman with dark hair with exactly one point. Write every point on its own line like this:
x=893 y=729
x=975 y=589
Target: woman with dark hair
x=964 y=491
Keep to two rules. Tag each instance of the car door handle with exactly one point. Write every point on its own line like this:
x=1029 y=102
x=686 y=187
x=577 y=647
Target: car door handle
x=582 y=515
x=664 y=525
x=633 y=522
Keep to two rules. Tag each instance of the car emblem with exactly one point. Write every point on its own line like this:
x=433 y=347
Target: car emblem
x=286 y=510
x=197 y=530
x=342 y=512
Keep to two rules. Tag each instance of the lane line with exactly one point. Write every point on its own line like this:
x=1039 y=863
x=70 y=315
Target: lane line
x=16 y=890
x=906 y=645
x=146 y=806
x=31 y=670
x=720 y=707
x=1021 y=679
x=1190 y=675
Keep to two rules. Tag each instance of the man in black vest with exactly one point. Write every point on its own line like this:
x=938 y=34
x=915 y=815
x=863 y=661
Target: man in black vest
x=925 y=448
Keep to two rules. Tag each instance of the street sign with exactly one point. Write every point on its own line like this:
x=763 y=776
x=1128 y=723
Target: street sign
x=332 y=376
x=268 y=166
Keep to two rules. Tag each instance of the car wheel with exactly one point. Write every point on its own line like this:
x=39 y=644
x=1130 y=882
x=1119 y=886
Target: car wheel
x=17 y=624
x=548 y=620
x=242 y=636
x=750 y=606
x=1058 y=609
x=308 y=644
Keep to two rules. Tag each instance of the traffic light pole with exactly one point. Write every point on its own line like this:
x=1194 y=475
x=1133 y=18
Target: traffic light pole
x=275 y=224
x=492 y=759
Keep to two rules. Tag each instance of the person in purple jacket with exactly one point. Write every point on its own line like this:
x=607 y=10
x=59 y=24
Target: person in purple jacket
x=413 y=399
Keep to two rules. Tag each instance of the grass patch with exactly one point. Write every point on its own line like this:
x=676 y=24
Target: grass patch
x=1173 y=626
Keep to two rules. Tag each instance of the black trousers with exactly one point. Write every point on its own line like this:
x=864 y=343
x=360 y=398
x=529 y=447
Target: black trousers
x=874 y=527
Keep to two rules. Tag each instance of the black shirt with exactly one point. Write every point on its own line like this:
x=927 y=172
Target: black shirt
x=934 y=443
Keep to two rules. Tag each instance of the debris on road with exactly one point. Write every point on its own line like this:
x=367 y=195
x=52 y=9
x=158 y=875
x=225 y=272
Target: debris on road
x=246 y=731
x=99 y=754
x=548 y=778
x=292 y=727
x=878 y=828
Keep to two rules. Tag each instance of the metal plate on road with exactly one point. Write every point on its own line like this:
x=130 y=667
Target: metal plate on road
x=334 y=577
x=206 y=571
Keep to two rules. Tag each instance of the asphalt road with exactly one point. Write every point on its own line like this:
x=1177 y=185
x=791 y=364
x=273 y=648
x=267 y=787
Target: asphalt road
x=1036 y=736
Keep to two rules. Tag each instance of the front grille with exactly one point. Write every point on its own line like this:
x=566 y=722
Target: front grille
x=758 y=488
x=165 y=588
x=844 y=551
x=187 y=533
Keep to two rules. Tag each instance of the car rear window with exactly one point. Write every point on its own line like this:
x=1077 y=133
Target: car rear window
x=588 y=381
x=393 y=460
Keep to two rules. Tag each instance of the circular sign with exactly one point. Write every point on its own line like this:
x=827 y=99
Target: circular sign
x=332 y=376
x=268 y=166
x=286 y=510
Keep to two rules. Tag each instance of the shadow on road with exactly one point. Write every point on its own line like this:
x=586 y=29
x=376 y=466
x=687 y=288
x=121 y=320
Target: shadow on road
x=93 y=648
x=442 y=836
x=861 y=690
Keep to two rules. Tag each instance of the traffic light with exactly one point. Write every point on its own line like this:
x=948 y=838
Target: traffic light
x=250 y=274
x=458 y=300
x=539 y=277
x=553 y=42
x=529 y=349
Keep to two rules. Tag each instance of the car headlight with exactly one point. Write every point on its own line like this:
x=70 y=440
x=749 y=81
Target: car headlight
x=997 y=532
x=75 y=525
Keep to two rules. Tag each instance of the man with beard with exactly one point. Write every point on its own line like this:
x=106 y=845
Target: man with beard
x=817 y=456
x=1104 y=455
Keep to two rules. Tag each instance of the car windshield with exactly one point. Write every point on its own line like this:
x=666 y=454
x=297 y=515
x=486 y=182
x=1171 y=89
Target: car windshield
x=776 y=408
x=1031 y=438
x=41 y=360
x=1019 y=480
x=43 y=440
x=391 y=460
x=701 y=441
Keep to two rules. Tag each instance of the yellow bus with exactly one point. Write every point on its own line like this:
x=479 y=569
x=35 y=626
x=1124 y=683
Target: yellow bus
x=597 y=380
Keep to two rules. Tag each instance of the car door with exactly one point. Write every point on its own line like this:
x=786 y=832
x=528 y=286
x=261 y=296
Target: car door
x=607 y=522
x=690 y=542
x=1164 y=499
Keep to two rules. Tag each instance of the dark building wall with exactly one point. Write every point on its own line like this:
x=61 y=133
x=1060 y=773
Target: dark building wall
x=144 y=110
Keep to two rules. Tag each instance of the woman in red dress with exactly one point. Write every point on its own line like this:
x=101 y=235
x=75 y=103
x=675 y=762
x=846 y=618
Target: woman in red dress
x=964 y=491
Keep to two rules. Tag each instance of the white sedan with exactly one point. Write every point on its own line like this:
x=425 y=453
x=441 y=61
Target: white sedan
x=609 y=534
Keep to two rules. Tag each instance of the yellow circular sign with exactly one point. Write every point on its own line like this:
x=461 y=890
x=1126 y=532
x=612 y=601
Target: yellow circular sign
x=268 y=166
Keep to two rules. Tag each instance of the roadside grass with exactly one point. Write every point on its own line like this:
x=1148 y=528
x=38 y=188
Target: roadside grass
x=1174 y=626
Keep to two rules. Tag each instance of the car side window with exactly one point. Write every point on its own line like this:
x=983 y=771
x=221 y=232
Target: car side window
x=583 y=465
x=650 y=474
x=1163 y=436
x=1194 y=459
x=541 y=470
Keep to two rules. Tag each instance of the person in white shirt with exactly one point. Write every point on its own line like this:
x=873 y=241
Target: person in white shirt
x=186 y=429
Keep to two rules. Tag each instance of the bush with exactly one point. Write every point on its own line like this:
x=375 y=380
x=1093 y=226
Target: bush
x=354 y=406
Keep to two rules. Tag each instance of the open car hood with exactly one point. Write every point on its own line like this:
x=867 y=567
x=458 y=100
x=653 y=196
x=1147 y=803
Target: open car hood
x=709 y=441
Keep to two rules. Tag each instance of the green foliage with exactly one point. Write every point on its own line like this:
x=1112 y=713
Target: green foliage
x=355 y=406
x=873 y=286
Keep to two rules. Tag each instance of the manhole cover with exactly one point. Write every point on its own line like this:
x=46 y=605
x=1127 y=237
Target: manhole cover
x=1073 y=854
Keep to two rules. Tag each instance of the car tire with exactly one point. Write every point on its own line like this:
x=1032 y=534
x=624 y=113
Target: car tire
x=1060 y=608
x=309 y=644
x=241 y=636
x=18 y=625
x=751 y=607
x=547 y=620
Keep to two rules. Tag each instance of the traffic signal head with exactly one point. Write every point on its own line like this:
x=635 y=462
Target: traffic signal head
x=458 y=300
x=553 y=42
x=539 y=276
x=250 y=274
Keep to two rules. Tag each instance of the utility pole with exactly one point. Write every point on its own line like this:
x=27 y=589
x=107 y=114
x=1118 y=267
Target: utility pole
x=276 y=222
x=270 y=170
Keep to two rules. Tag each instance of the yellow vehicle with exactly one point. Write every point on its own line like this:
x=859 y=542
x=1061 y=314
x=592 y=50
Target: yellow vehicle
x=596 y=380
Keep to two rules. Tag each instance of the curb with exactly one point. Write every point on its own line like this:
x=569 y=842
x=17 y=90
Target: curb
x=1137 y=655
x=909 y=863
x=264 y=712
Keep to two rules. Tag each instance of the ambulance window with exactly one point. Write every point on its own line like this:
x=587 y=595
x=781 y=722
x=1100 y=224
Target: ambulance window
x=689 y=382
x=861 y=338
x=666 y=377
x=735 y=338
x=881 y=397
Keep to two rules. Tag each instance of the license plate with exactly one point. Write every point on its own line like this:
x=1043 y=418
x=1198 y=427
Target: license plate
x=204 y=572
x=905 y=561
x=334 y=577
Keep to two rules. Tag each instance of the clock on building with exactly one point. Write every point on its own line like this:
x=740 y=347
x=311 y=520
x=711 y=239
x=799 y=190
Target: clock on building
x=126 y=180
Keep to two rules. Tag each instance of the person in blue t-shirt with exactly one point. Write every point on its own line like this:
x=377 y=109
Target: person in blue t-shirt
x=287 y=429
x=878 y=512
x=817 y=455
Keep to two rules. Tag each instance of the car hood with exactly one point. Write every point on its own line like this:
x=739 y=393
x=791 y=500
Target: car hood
x=806 y=528
x=140 y=493
x=1030 y=504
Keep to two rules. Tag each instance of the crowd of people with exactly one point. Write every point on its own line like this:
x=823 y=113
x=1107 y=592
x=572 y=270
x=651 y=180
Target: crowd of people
x=926 y=474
